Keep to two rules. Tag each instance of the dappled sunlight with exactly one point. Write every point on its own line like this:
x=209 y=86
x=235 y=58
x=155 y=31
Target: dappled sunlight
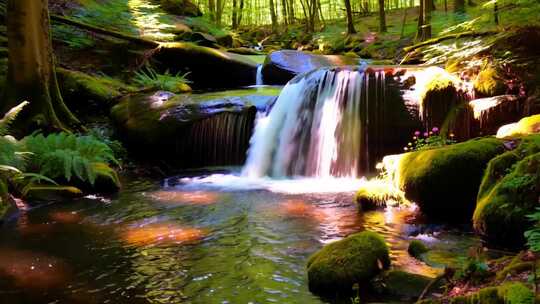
x=155 y=234
x=381 y=191
x=32 y=270
x=194 y=197
x=148 y=19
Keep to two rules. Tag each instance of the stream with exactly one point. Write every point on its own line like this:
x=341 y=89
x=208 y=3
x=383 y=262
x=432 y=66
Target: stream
x=201 y=237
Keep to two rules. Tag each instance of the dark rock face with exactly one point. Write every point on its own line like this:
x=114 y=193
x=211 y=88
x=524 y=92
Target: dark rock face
x=181 y=7
x=282 y=66
x=187 y=131
x=493 y=112
x=209 y=68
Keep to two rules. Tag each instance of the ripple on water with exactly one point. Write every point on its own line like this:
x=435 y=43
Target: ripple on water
x=162 y=233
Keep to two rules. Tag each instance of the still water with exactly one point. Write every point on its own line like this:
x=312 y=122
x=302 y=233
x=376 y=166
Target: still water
x=196 y=239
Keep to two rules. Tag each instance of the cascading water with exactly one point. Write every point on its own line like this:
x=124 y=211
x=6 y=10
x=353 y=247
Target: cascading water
x=259 y=78
x=320 y=126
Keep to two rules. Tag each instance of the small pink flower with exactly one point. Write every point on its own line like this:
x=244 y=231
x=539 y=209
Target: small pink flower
x=417 y=133
x=426 y=134
x=435 y=130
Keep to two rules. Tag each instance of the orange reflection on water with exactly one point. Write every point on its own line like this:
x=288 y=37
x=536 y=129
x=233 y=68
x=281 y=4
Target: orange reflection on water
x=32 y=270
x=299 y=208
x=195 y=197
x=162 y=233
x=65 y=217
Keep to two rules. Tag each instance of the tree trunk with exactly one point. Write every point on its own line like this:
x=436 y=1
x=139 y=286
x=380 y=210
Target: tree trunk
x=31 y=72
x=426 y=28
x=240 y=14
x=446 y=6
x=350 y=21
x=403 y=23
x=212 y=9
x=420 y=26
x=382 y=17
x=459 y=6
x=496 y=12
x=234 y=15
x=273 y=15
x=284 y=12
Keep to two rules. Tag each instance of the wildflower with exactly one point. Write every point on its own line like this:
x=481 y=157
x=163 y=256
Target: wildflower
x=430 y=133
x=435 y=130
x=409 y=144
x=406 y=149
x=417 y=133
x=415 y=138
x=452 y=135
x=426 y=134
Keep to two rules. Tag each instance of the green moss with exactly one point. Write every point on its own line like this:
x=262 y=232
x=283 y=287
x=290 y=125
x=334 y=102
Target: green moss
x=79 y=88
x=517 y=265
x=377 y=192
x=509 y=191
x=180 y=7
x=526 y=126
x=489 y=83
x=444 y=181
x=417 y=248
x=509 y=293
x=355 y=259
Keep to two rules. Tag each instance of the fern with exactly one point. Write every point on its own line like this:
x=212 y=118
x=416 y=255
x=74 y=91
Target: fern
x=10 y=116
x=64 y=156
x=150 y=78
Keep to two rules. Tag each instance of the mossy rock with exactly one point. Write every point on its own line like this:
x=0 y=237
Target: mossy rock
x=509 y=191
x=402 y=284
x=508 y=293
x=81 y=90
x=489 y=83
x=444 y=181
x=355 y=259
x=377 y=193
x=526 y=126
x=417 y=248
x=181 y=7
x=517 y=265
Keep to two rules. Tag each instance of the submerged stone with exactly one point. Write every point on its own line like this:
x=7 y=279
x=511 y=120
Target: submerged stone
x=355 y=259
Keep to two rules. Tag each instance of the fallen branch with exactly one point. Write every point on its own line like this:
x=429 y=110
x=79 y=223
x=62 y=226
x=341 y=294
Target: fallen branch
x=447 y=37
x=102 y=31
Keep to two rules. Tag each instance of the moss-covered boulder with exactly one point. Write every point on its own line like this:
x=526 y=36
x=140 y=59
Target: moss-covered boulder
x=378 y=193
x=417 y=248
x=489 y=83
x=82 y=91
x=509 y=191
x=508 y=293
x=355 y=259
x=208 y=67
x=493 y=112
x=526 y=126
x=444 y=181
x=181 y=7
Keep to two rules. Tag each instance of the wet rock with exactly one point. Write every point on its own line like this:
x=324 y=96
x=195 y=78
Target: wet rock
x=190 y=130
x=493 y=112
x=526 y=126
x=509 y=192
x=401 y=284
x=209 y=68
x=355 y=259
x=282 y=66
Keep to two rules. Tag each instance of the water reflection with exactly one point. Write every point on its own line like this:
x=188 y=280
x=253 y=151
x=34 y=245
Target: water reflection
x=161 y=233
x=191 y=197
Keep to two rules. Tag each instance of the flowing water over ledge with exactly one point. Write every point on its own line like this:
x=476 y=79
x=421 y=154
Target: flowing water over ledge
x=194 y=239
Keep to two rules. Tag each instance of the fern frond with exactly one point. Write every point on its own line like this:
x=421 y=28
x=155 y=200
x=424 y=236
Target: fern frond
x=10 y=116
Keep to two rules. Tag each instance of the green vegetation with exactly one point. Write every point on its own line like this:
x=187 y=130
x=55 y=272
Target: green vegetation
x=511 y=293
x=150 y=79
x=444 y=181
x=355 y=259
x=508 y=193
x=417 y=248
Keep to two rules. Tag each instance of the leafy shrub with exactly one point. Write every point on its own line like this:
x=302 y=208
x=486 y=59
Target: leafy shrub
x=150 y=78
x=64 y=155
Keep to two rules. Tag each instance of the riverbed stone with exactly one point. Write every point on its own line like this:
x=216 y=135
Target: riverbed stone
x=355 y=259
x=282 y=66
x=510 y=190
x=444 y=181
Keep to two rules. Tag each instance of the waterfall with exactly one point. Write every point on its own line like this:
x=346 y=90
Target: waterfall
x=259 y=78
x=327 y=123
